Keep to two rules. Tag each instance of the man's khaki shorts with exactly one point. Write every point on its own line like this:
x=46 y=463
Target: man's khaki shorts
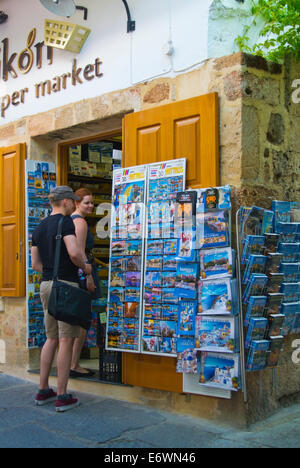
x=54 y=328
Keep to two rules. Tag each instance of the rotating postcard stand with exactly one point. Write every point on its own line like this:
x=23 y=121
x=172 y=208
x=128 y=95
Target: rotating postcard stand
x=239 y=222
x=160 y=305
x=253 y=224
x=125 y=293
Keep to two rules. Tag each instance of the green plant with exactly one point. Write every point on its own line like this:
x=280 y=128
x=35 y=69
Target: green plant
x=280 y=29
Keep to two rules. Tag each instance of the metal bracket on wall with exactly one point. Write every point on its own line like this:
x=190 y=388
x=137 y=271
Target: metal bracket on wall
x=130 y=22
x=84 y=9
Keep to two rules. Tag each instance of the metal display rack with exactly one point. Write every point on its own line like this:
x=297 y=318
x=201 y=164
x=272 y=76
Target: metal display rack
x=241 y=318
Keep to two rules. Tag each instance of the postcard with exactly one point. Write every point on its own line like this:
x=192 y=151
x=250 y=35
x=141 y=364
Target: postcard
x=167 y=345
x=170 y=247
x=214 y=297
x=117 y=278
x=168 y=295
x=169 y=263
x=154 y=263
x=117 y=248
x=152 y=294
x=212 y=229
x=186 y=318
x=133 y=247
x=169 y=312
x=131 y=309
x=167 y=280
x=153 y=279
x=216 y=263
x=215 y=334
x=153 y=311
x=155 y=247
x=132 y=263
x=186 y=245
x=186 y=279
x=219 y=371
x=168 y=329
x=133 y=278
x=151 y=327
x=132 y=294
x=151 y=344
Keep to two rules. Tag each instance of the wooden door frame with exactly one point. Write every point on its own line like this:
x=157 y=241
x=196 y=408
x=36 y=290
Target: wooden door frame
x=62 y=151
x=20 y=249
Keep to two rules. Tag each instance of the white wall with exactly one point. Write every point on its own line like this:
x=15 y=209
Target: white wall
x=127 y=58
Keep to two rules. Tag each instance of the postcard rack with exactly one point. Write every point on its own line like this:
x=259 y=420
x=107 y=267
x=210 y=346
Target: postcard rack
x=241 y=319
x=268 y=273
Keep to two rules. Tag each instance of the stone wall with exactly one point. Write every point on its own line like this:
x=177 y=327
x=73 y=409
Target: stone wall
x=259 y=158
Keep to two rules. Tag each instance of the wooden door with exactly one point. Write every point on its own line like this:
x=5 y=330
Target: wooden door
x=12 y=221
x=185 y=129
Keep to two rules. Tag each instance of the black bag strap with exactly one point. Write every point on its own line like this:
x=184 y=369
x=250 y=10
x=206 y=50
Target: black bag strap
x=58 y=239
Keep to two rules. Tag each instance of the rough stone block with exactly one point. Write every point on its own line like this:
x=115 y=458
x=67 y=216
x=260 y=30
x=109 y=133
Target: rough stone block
x=276 y=129
x=261 y=88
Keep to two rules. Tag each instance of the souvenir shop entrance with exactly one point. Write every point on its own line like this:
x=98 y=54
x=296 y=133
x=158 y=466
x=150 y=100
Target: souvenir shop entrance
x=185 y=129
x=88 y=163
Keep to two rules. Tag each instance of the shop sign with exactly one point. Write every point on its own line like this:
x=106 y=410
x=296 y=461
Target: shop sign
x=14 y=64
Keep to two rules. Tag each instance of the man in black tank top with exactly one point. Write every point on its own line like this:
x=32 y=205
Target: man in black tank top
x=71 y=258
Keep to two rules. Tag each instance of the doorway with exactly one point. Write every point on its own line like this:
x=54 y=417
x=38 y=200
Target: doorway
x=89 y=163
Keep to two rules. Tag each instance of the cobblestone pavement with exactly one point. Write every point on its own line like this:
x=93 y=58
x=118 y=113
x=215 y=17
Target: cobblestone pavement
x=111 y=424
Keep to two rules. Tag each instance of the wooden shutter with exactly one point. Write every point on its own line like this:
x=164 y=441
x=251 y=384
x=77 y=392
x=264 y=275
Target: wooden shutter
x=12 y=221
x=185 y=129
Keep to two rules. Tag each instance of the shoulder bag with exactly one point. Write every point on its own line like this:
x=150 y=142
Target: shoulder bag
x=66 y=302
